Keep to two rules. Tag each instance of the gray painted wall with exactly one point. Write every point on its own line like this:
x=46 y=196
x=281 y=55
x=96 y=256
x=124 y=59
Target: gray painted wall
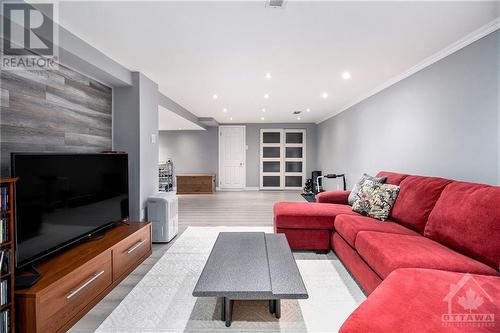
x=197 y=151
x=442 y=121
x=135 y=118
x=148 y=121
x=126 y=137
x=57 y=110
x=191 y=151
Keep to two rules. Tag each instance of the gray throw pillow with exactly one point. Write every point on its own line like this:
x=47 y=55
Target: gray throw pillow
x=357 y=187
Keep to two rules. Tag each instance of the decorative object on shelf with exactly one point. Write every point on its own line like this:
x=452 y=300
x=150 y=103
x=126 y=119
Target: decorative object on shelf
x=166 y=176
x=7 y=216
x=329 y=176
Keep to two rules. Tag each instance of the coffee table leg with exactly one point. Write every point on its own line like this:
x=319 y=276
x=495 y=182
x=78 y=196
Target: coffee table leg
x=277 y=308
x=228 y=305
x=272 y=306
x=223 y=309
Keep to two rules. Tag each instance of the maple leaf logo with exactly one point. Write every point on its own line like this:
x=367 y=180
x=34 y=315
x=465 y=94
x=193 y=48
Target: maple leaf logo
x=471 y=301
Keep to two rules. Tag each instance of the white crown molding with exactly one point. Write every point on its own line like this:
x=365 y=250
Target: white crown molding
x=450 y=49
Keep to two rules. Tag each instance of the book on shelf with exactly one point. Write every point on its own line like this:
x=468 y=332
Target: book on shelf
x=5 y=321
x=4 y=198
x=4 y=292
x=4 y=229
x=5 y=261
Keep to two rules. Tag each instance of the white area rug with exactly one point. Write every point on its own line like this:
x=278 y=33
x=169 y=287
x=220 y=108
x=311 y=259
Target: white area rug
x=162 y=300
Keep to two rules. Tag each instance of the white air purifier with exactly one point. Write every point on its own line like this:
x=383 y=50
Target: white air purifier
x=163 y=215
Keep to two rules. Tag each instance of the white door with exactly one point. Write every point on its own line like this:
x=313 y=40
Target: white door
x=232 y=157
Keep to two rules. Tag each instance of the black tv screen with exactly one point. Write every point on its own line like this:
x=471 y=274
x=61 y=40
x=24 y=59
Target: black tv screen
x=62 y=198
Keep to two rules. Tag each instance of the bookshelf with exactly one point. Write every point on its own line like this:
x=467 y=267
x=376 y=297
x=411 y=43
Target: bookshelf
x=7 y=217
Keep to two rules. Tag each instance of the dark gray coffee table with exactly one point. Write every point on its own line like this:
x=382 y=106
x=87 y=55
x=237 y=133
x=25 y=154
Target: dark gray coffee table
x=250 y=265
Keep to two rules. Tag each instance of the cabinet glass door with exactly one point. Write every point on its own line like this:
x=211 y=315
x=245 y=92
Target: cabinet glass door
x=271 y=159
x=295 y=158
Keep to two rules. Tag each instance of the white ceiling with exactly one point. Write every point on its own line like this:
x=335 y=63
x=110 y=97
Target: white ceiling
x=197 y=49
x=170 y=121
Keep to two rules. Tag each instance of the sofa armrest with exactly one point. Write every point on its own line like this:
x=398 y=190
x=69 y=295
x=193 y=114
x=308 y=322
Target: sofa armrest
x=333 y=197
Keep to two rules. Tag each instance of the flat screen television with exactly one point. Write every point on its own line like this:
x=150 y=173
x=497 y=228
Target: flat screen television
x=63 y=198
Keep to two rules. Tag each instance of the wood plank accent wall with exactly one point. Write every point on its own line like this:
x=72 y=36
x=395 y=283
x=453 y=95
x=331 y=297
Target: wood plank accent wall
x=57 y=111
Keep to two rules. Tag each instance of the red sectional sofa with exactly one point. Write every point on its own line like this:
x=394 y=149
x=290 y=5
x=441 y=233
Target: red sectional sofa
x=439 y=231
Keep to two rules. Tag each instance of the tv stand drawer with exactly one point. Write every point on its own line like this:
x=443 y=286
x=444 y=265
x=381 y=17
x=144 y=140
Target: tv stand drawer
x=71 y=294
x=76 y=279
x=130 y=250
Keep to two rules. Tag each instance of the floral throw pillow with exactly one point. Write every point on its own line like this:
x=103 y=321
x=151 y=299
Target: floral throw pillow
x=375 y=199
x=357 y=187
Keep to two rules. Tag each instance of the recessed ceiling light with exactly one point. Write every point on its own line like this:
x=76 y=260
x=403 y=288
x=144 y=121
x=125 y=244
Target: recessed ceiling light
x=261 y=118
x=324 y=95
x=308 y=110
x=346 y=75
x=180 y=128
x=298 y=118
x=266 y=96
x=264 y=110
x=224 y=110
x=268 y=75
x=215 y=96
x=230 y=118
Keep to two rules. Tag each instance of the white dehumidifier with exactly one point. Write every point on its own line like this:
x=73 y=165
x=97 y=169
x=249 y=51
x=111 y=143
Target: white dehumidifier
x=163 y=215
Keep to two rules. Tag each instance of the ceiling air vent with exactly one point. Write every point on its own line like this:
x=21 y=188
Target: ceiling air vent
x=297 y=112
x=275 y=3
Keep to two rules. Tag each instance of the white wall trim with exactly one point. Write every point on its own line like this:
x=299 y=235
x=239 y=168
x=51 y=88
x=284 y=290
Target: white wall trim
x=248 y=188
x=252 y=188
x=450 y=49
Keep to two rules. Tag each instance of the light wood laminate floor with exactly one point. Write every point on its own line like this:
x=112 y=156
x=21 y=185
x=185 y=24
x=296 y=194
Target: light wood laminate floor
x=249 y=208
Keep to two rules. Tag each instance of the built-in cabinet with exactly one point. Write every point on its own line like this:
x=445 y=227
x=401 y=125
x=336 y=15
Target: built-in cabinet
x=282 y=159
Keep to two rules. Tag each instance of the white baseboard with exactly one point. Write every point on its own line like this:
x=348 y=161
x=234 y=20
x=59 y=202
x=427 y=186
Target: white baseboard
x=248 y=188
x=252 y=188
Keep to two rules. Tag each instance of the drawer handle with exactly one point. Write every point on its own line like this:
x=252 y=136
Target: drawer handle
x=133 y=248
x=86 y=283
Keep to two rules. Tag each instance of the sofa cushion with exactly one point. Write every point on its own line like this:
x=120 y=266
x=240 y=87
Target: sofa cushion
x=386 y=252
x=376 y=199
x=364 y=275
x=306 y=239
x=393 y=178
x=416 y=300
x=416 y=199
x=467 y=219
x=307 y=215
x=335 y=197
x=357 y=187
x=348 y=227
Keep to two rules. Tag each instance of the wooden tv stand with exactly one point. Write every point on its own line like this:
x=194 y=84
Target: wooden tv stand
x=76 y=279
